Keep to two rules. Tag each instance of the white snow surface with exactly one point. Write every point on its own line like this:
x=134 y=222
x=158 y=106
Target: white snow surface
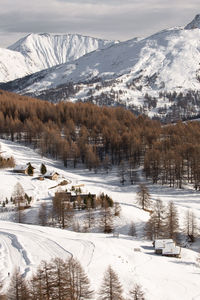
x=36 y=52
x=24 y=246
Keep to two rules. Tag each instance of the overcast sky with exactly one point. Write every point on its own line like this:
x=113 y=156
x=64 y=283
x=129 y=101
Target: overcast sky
x=109 y=19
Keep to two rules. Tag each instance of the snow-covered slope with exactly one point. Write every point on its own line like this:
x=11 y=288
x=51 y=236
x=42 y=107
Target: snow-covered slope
x=14 y=65
x=129 y=73
x=163 y=278
x=168 y=60
x=24 y=246
x=47 y=50
x=36 y=52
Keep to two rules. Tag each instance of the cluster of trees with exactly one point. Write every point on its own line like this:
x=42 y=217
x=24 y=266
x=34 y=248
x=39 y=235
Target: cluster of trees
x=100 y=137
x=17 y=202
x=6 y=162
x=66 y=280
x=174 y=158
x=97 y=212
x=164 y=220
x=94 y=136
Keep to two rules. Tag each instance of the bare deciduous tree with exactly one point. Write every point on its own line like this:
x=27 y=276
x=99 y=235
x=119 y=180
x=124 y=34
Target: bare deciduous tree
x=136 y=293
x=106 y=221
x=155 y=226
x=132 y=229
x=18 y=197
x=42 y=214
x=60 y=280
x=190 y=226
x=18 y=289
x=143 y=197
x=111 y=288
x=172 y=222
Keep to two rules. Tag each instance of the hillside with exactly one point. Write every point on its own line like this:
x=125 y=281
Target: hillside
x=157 y=75
x=36 y=52
x=26 y=245
x=104 y=137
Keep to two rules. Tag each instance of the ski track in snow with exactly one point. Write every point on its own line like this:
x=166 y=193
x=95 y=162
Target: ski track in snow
x=22 y=252
x=42 y=241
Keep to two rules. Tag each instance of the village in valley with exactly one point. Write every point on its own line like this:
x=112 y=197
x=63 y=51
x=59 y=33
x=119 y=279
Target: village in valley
x=69 y=198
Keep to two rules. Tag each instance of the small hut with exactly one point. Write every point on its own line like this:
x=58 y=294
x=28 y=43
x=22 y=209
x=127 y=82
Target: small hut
x=51 y=175
x=166 y=247
x=23 y=169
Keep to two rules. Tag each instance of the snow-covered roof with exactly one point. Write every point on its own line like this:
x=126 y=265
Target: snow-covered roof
x=160 y=244
x=171 y=249
x=20 y=168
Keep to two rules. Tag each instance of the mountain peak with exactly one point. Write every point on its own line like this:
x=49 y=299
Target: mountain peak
x=195 y=23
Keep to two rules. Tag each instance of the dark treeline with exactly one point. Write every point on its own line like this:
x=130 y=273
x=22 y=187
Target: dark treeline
x=104 y=136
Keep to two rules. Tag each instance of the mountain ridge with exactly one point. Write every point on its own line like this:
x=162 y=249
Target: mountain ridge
x=36 y=52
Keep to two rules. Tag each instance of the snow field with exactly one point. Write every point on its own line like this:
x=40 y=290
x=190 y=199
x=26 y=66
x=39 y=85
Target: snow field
x=24 y=246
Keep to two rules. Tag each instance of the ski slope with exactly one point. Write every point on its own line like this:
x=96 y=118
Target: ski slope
x=24 y=246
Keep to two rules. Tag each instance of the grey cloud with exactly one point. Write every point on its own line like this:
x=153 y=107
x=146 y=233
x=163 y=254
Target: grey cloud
x=113 y=19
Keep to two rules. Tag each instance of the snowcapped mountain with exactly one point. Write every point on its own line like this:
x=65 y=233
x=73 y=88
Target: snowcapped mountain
x=36 y=52
x=158 y=75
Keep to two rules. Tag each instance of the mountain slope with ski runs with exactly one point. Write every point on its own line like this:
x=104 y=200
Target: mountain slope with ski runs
x=158 y=75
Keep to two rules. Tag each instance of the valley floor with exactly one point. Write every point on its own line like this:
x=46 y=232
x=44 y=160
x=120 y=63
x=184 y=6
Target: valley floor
x=24 y=246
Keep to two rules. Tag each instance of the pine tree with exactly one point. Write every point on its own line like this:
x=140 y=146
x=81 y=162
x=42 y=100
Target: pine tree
x=172 y=222
x=42 y=283
x=136 y=293
x=30 y=170
x=89 y=216
x=106 y=221
x=60 y=288
x=18 y=198
x=111 y=288
x=106 y=164
x=190 y=226
x=155 y=226
x=43 y=169
x=18 y=289
x=122 y=172
x=42 y=214
x=143 y=197
x=132 y=229
x=117 y=209
x=78 y=284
